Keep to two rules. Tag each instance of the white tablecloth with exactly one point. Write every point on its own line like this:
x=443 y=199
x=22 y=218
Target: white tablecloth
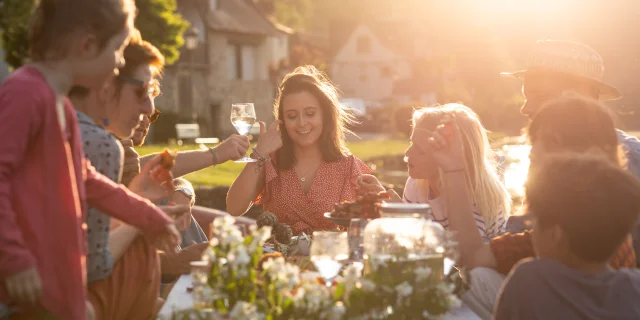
x=180 y=299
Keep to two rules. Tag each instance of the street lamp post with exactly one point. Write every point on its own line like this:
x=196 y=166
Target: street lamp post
x=191 y=43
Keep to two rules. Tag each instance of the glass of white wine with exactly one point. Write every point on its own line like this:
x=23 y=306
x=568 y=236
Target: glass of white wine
x=243 y=116
x=329 y=250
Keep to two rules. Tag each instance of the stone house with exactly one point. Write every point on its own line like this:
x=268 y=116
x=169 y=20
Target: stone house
x=375 y=61
x=230 y=64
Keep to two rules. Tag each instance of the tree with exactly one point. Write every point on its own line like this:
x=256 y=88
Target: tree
x=157 y=21
x=294 y=14
x=159 y=24
x=14 y=21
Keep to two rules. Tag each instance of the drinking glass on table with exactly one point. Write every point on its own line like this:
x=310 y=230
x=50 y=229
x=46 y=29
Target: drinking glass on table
x=329 y=250
x=202 y=293
x=355 y=234
x=243 y=116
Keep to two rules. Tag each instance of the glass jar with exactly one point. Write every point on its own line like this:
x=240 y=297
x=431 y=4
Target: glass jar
x=404 y=239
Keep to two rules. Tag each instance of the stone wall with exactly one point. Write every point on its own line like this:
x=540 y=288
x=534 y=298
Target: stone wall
x=213 y=92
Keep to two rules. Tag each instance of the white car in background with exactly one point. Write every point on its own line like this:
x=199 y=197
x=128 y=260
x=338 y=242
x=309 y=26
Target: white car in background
x=357 y=106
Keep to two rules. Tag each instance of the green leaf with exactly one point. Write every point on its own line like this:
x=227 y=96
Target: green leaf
x=337 y=295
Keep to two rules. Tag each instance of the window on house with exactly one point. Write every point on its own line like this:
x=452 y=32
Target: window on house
x=248 y=58
x=241 y=62
x=232 y=62
x=363 y=44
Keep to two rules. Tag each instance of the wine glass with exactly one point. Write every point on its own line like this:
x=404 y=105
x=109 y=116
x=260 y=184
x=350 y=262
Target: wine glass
x=328 y=251
x=355 y=234
x=243 y=116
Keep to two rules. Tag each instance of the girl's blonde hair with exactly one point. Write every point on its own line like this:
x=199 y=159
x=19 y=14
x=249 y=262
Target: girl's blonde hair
x=486 y=190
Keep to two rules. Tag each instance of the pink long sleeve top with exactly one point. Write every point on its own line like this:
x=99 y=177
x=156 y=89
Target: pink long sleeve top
x=45 y=183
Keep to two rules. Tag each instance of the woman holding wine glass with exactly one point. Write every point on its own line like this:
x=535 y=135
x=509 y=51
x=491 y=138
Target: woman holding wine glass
x=302 y=166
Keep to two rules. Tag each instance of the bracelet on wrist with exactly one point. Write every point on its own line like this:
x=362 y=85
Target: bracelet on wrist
x=215 y=157
x=256 y=155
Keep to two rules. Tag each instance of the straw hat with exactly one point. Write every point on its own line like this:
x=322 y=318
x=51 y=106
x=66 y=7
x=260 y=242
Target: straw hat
x=569 y=58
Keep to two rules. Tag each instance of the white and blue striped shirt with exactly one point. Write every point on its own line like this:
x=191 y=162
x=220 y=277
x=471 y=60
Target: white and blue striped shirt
x=413 y=194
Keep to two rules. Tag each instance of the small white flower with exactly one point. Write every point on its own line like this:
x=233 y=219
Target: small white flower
x=214 y=242
x=231 y=237
x=253 y=228
x=337 y=311
x=404 y=289
x=263 y=234
x=231 y=258
x=267 y=265
x=273 y=266
x=245 y=311
x=454 y=302
x=229 y=220
x=293 y=275
x=366 y=285
x=209 y=254
x=422 y=273
x=242 y=257
x=446 y=287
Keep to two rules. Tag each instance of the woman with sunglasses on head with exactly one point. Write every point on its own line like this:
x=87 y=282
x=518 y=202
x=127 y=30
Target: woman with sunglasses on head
x=122 y=267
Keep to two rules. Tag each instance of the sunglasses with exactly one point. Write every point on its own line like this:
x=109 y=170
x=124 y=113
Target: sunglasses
x=144 y=90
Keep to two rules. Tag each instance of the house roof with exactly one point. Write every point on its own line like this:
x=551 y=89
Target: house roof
x=389 y=33
x=241 y=16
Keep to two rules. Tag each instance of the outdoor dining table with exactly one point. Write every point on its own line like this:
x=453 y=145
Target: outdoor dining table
x=180 y=299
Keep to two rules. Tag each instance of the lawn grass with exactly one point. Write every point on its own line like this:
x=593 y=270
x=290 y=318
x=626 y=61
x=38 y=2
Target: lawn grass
x=226 y=173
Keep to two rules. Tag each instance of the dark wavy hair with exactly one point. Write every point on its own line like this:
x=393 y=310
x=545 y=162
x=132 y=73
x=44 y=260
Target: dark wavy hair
x=334 y=116
x=576 y=123
x=594 y=201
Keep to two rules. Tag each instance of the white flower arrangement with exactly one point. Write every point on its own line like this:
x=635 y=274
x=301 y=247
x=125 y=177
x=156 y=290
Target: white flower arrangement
x=390 y=289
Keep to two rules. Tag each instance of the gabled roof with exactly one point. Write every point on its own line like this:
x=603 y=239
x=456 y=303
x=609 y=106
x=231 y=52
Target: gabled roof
x=240 y=16
x=389 y=33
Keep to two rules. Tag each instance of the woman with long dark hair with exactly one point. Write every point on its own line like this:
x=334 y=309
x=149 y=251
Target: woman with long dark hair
x=304 y=166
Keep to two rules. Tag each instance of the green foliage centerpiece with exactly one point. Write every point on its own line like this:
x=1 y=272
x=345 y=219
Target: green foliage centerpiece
x=241 y=285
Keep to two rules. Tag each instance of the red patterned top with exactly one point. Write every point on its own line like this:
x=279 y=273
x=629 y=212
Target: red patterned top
x=333 y=183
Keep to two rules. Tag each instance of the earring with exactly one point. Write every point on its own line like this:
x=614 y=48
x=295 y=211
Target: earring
x=105 y=122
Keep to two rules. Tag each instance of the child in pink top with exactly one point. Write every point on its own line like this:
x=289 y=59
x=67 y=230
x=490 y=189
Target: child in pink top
x=45 y=182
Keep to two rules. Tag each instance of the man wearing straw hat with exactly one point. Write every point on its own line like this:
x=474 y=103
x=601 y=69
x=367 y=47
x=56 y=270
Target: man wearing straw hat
x=561 y=66
x=566 y=66
x=556 y=67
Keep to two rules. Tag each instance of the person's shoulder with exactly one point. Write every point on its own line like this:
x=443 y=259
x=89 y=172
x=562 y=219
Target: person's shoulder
x=26 y=83
x=361 y=166
x=530 y=270
x=627 y=140
x=630 y=275
x=98 y=141
x=26 y=78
